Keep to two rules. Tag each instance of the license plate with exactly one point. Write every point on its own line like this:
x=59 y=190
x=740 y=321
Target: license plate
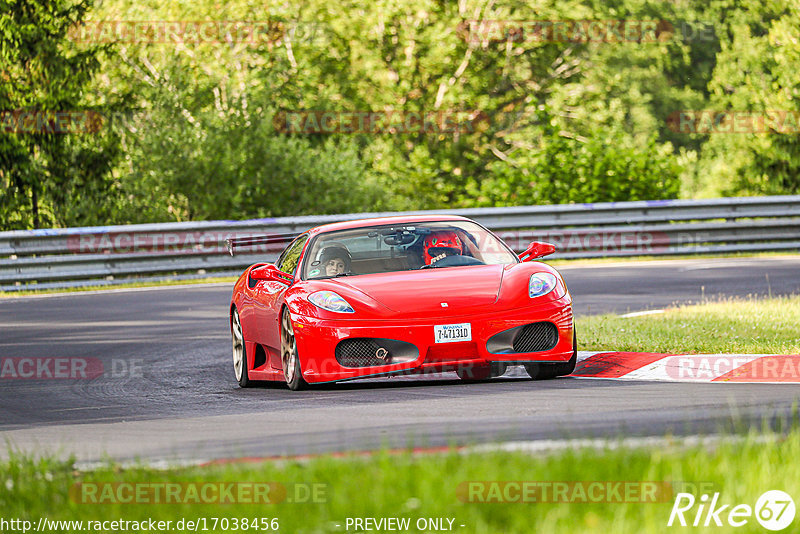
x=448 y=333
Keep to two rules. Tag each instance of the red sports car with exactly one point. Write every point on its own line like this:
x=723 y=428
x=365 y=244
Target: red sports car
x=399 y=295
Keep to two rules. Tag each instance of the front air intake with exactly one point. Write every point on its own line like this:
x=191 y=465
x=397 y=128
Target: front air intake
x=372 y=352
x=533 y=337
x=536 y=337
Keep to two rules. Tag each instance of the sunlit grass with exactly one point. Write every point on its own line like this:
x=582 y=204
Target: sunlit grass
x=742 y=326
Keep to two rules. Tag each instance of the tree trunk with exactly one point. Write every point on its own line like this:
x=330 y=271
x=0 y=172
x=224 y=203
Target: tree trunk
x=35 y=206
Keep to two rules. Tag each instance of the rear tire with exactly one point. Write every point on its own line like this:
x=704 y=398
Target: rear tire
x=289 y=358
x=546 y=371
x=239 y=352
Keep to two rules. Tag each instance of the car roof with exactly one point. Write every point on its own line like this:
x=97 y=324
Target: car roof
x=398 y=219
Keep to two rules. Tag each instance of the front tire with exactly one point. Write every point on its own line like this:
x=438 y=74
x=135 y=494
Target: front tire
x=239 y=352
x=546 y=371
x=289 y=358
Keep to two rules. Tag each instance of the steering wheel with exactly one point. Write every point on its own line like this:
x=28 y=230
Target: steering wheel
x=454 y=261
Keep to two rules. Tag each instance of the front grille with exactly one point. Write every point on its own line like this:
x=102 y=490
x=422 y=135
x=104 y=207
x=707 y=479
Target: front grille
x=536 y=337
x=361 y=352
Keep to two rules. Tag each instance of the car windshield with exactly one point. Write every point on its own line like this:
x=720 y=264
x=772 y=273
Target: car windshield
x=403 y=247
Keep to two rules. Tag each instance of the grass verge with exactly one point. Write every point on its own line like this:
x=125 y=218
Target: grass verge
x=737 y=326
x=326 y=491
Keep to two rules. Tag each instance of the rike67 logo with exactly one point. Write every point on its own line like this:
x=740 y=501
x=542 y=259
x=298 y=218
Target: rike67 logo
x=774 y=510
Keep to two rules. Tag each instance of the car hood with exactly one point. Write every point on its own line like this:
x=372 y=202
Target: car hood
x=442 y=291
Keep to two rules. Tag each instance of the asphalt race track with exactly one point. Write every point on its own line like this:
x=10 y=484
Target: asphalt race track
x=170 y=392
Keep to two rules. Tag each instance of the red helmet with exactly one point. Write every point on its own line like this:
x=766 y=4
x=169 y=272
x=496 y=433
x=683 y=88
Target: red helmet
x=442 y=242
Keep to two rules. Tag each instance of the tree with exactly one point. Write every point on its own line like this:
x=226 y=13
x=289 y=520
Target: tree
x=755 y=78
x=45 y=173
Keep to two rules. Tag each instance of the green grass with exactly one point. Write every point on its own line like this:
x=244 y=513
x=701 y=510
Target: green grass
x=404 y=485
x=740 y=326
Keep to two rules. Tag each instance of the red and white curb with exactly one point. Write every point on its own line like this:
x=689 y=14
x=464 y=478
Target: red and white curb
x=748 y=368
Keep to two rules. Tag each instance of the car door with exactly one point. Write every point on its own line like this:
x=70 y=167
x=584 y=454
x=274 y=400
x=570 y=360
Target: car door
x=269 y=300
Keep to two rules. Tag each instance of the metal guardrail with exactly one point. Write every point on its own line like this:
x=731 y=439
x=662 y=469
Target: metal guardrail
x=108 y=255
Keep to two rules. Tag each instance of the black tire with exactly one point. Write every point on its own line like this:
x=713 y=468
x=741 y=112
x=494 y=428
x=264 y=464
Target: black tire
x=481 y=372
x=240 y=371
x=546 y=371
x=289 y=357
x=498 y=369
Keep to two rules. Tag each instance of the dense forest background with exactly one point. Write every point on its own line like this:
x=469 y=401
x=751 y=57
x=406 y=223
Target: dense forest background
x=191 y=129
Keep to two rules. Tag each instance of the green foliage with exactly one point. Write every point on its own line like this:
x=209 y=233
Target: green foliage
x=568 y=170
x=554 y=121
x=756 y=72
x=254 y=172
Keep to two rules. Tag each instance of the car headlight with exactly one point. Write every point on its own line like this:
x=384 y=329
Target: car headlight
x=330 y=301
x=541 y=284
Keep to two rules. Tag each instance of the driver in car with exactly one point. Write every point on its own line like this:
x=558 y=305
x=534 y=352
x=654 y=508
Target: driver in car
x=334 y=260
x=439 y=245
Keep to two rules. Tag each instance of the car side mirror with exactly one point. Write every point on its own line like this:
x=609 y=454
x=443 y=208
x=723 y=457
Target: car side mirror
x=271 y=273
x=537 y=249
